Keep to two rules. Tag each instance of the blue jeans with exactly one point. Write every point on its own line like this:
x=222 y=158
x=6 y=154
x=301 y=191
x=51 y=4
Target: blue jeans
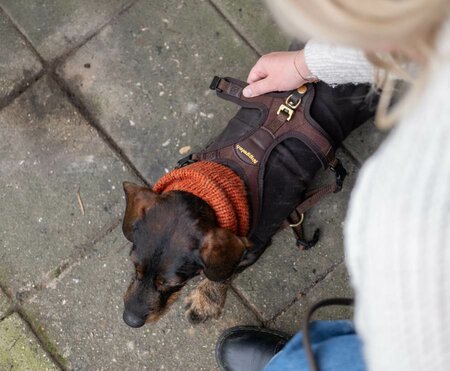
x=335 y=345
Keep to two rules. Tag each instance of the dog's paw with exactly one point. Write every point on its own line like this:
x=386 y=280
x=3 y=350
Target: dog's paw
x=206 y=301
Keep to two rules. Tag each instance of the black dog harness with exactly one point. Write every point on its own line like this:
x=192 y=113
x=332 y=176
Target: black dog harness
x=275 y=117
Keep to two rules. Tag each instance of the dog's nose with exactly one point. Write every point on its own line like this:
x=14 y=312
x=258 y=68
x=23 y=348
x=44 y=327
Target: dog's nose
x=133 y=320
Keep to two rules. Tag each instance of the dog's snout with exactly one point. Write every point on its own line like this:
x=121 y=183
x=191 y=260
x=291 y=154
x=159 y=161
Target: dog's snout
x=132 y=320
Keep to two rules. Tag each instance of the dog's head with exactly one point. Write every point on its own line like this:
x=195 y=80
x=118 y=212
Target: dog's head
x=175 y=237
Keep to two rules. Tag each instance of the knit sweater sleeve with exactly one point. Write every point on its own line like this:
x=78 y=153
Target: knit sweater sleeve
x=337 y=64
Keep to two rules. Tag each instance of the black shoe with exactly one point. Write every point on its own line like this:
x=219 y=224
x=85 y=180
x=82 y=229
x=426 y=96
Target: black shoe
x=248 y=348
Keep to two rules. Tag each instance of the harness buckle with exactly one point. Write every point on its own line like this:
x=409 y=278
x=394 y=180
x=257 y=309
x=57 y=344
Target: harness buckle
x=287 y=110
x=215 y=83
x=290 y=106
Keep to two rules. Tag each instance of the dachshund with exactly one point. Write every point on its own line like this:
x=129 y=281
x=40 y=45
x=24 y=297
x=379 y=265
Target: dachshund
x=176 y=236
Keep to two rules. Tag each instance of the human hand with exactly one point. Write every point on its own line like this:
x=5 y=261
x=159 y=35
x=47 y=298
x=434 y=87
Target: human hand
x=278 y=71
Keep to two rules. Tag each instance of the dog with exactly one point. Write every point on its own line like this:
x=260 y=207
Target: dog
x=176 y=236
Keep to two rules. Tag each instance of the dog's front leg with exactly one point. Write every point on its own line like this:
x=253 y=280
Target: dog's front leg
x=206 y=300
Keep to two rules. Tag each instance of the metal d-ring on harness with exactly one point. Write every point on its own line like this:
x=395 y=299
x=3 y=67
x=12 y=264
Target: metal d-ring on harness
x=280 y=116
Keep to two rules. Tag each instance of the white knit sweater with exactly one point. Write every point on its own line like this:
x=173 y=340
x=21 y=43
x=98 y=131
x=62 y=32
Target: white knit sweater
x=397 y=232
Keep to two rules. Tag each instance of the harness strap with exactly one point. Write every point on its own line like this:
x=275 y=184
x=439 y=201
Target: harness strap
x=226 y=87
x=312 y=197
x=281 y=116
x=276 y=115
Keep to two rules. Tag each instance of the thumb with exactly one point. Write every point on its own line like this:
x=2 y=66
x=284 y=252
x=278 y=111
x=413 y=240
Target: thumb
x=258 y=88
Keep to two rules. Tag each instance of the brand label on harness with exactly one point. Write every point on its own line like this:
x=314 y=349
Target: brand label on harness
x=247 y=153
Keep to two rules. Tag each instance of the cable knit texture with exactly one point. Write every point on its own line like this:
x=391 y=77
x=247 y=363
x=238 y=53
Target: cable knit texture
x=218 y=186
x=336 y=64
x=397 y=233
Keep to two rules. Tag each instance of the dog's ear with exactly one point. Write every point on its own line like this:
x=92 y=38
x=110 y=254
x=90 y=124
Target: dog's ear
x=221 y=252
x=139 y=200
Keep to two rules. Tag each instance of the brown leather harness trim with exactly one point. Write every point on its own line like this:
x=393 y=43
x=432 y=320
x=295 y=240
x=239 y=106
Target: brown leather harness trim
x=281 y=116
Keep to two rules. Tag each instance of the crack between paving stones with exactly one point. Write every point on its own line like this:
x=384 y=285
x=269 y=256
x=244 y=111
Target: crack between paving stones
x=16 y=307
x=50 y=69
x=55 y=357
x=347 y=152
x=20 y=89
x=24 y=37
x=60 y=58
x=8 y=312
x=234 y=28
x=27 y=294
x=5 y=291
x=304 y=292
x=248 y=305
x=77 y=102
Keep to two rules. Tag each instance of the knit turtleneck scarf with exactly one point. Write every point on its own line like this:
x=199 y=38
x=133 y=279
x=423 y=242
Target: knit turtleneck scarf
x=220 y=187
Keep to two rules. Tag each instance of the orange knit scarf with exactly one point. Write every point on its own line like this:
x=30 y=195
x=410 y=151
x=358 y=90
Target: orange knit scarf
x=218 y=186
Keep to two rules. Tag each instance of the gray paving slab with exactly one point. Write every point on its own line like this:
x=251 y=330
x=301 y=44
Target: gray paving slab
x=146 y=79
x=335 y=284
x=19 y=349
x=284 y=272
x=364 y=141
x=254 y=22
x=18 y=64
x=48 y=153
x=4 y=304
x=82 y=313
x=56 y=26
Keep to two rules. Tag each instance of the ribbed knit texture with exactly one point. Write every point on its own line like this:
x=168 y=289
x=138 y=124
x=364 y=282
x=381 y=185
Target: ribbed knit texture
x=397 y=233
x=220 y=187
x=337 y=65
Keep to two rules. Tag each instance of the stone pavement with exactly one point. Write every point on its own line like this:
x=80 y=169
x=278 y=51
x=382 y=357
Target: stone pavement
x=95 y=92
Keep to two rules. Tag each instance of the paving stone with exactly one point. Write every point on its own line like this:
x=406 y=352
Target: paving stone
x=146 y=79
x=48 y=153
x=283 y=271
x=82 y=313
x=254 y=21
x=335 y=284
x=364 y=141
x=19 y=349
x=55 y=26
x=18 y=64
x=4 y=304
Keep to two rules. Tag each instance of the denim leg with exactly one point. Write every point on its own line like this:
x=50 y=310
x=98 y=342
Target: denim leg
x=335 y=345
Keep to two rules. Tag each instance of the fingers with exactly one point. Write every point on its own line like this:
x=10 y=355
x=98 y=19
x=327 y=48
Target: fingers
x=259 y=87
x=274 y=72
x=256 y=73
